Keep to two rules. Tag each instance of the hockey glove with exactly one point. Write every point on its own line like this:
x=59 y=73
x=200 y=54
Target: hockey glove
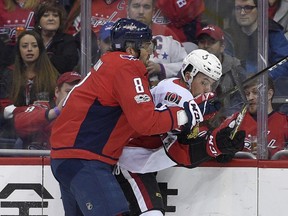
x=184 y=138
x=219 y=142
x=207 y=106
x=194 y=114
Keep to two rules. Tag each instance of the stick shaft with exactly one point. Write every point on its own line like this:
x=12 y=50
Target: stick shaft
x=268 y=69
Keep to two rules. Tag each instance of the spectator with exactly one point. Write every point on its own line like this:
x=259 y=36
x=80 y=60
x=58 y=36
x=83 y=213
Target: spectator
x=184 y=16
x=99 y=117
x=110 y=11
x=32 y=75
x=168 y=55
x=211 y=39
x=61 y=47
x=143 y=11
x=15 y=13
x=146 y=155
x=104 y=41
x=278 y=11
x=244 y=37
x=277 y=137
x=33 y=125
x=15 y=16
x=102 y=11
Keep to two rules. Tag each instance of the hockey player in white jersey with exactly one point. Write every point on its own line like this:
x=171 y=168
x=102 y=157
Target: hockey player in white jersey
x=146 y=155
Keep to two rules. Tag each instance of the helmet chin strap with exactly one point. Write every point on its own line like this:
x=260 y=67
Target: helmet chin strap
x=189 y=82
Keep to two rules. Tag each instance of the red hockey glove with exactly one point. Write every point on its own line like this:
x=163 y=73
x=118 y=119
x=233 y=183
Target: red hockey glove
x=219 y=142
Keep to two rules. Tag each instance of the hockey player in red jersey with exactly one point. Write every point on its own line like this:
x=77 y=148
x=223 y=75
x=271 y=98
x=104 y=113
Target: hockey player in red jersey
x=100 y=115
x=277 y=128
x=138 y=162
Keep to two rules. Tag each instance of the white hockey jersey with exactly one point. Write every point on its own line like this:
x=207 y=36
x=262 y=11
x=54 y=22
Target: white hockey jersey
x=142 y=160
x=170 y=53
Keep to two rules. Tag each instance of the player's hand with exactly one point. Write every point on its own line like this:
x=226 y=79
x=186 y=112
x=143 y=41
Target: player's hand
x=219 y=142
x=153 y=68
x=208 y=107
x=193 y=113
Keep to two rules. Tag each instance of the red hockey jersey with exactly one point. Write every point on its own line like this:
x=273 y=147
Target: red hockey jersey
x=277 y=136
x=10 y=20
x=102 y=112
x=101 y=12
x=32 y=125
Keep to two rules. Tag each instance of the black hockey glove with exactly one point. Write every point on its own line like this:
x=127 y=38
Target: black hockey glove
x=220 y=143
x=184 y=138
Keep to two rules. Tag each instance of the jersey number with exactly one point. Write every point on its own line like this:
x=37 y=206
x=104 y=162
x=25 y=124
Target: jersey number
x=138 y=85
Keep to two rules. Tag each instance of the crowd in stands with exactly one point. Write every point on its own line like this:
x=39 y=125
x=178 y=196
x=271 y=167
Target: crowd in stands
x=189 y=52
x=40 y=40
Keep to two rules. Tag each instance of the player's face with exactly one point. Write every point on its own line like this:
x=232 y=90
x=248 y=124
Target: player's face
x=209 y=44
x=245 y=13
x=141 y=10
x=201 y=84
x=145 y=52
x=252 y=97
x=29 y=49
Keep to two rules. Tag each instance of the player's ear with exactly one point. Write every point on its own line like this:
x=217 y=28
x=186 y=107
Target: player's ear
x=270 y=94
x=187 y=75
x=56 y=91
x=131 y=51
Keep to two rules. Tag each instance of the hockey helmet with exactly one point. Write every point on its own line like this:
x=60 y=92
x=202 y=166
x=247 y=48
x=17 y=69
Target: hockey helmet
x=129 y=30
x=202 y=61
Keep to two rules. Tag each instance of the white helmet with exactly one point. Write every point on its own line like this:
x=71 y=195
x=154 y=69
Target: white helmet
x=204 y=62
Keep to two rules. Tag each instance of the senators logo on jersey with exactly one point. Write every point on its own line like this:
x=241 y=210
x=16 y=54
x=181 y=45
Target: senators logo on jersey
x=173 y=97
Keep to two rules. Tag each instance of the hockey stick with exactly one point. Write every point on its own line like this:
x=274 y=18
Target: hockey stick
x=238 y=121
x=239 y=85
x=236 y=88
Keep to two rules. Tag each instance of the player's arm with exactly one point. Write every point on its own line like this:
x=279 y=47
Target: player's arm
x=133 y=94
x=176 y=56
x=226 y=139
x=30 y=120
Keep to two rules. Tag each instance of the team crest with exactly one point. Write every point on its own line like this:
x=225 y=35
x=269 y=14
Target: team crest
x=173 y=97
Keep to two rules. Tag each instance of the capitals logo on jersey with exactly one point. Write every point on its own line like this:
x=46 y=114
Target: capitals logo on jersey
x=173 y=97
